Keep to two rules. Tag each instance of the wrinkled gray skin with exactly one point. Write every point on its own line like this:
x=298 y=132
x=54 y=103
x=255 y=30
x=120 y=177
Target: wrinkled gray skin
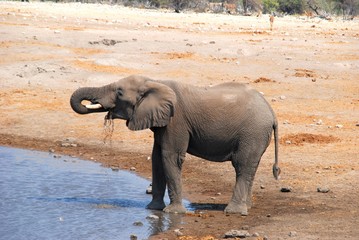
x=227 y=122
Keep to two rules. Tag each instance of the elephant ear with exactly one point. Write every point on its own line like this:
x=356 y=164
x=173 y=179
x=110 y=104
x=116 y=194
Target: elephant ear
x=154 y=107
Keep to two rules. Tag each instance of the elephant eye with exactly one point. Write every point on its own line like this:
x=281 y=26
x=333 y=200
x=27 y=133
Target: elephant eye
x=119 y=92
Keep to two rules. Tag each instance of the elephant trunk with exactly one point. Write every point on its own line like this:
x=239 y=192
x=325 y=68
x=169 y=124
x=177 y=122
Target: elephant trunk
x=90 y=94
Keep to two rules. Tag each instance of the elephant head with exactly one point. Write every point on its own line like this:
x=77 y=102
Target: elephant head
x=142 y=102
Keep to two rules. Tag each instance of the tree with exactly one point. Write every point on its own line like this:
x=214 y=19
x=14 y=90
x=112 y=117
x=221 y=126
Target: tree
x=346 y=7
x=291 y=6
x=270 y=6
x=179 y=5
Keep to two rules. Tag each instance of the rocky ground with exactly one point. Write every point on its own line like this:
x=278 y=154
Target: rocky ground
x=307 y=68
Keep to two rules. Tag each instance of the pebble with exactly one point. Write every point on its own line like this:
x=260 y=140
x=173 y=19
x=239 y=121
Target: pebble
x=178 y=232
x=149 y=189
x=115 y=168
x=323 y=189
x=262 y=187
x=138 y=223
x=288 y=142
x=133 y=169
x=339 y=126
x=319 y=122
x=69 y=142
x=286 y=189
x=133 y=237
x=152 y=217
x=282 y=97
x=292 y=234
x=245 y=227
x=237 y=234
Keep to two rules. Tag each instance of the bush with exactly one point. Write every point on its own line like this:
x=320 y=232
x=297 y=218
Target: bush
x=270 y=6
x=291 y=6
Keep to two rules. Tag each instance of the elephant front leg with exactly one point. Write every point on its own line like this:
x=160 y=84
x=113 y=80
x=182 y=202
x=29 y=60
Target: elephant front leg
x=158 y=180
x=172 y=163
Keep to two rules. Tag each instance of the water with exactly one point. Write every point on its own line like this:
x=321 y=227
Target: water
x=42 y=197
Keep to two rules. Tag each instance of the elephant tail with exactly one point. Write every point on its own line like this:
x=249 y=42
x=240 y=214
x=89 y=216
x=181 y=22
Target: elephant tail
x=276 y=169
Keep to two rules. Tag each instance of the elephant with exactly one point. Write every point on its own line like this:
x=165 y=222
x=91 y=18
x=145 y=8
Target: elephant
x=226 y=122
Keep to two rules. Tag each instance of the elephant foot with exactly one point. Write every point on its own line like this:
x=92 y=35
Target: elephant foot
x=237 y=208
x=175 y=208
x=156 y=205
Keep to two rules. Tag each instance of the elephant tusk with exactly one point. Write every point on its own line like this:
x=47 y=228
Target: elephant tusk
x=93 y=106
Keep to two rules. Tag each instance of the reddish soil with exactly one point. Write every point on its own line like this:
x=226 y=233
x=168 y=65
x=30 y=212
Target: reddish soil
x=308 y=69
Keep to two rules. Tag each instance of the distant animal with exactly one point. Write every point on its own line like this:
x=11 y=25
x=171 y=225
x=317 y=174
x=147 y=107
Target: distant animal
x=271 y=21
x=230 y=8
x=227 y=122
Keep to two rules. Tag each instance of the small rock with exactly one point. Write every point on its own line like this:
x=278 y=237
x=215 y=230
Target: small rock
x=132 y=169
x=115 y=168
x=319 y=122
x=245 y=227
x=262 y=187
x=149 y=189
x=56 y=31
x=357 y=125
x=152 y=217
x=237 y=233
x=148 y=158
x=268 y=215
x=339 y=126
x=255 y=235
x=288 y=142
x=292 y=234
x=57 y=156
x=138 y=224
x=212 y=42
x=65 y=144
x=133 y=237
x=323 y=189
x=178 y=232
x=273 y=100
x=286 y=189
x=282 y=97
x=51 y=150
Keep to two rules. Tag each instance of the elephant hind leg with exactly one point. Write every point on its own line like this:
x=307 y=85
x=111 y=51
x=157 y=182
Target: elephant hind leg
x=245 y=166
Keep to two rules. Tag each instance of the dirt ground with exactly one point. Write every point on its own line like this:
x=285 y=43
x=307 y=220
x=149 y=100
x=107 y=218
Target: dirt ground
x=307 y=68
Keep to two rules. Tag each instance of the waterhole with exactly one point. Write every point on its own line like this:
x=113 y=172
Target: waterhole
x=46 y=196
